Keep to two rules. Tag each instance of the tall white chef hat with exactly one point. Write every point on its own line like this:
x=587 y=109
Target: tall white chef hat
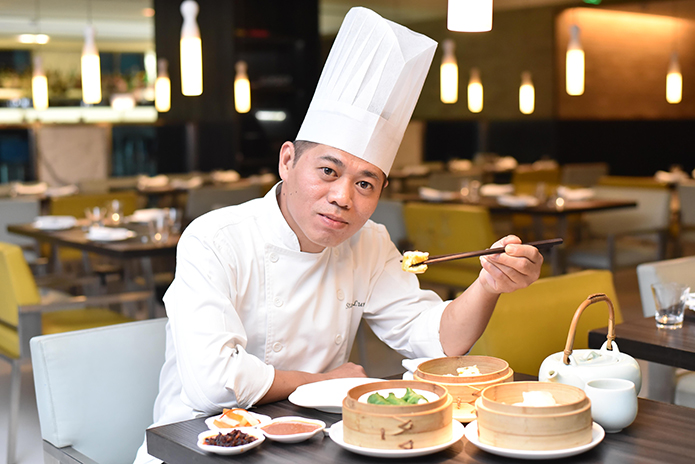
x=368 y=88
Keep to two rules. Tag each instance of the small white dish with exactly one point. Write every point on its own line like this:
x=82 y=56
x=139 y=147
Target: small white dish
x=517 y=201
x=327 y=395
x=54 y=222
x=597 y=435
x=336 y=434
x=295 y=437
x=230 y=450
x=210 y=421
x=108 y=234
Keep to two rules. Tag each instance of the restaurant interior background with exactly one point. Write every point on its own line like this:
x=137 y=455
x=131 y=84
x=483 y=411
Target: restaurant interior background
x=622 y=118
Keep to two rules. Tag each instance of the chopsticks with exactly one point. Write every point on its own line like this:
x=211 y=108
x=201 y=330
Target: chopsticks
x=490 y=251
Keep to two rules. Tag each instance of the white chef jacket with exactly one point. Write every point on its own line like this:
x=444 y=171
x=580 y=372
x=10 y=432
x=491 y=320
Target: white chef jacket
x=246 y=301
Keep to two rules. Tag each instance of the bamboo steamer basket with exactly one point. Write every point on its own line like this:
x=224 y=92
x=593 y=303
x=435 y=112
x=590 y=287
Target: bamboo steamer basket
x=505 y=425
x=465 y=390
x=397 y=427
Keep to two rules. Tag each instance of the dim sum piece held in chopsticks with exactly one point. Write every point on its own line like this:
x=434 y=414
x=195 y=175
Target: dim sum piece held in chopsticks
x=412 y=259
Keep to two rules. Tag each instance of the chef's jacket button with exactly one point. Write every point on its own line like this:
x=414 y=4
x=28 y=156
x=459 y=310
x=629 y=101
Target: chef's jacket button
x=274 y=258
x=340 y=295
x=277 y=347
x=277 y=301
x=338 y=339
x=336 y=252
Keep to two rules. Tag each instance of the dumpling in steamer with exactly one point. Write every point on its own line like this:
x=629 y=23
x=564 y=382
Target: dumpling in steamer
x=411 y=260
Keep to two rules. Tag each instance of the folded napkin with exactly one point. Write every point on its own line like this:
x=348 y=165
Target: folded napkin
x=517 y=201
x=427 y=193
x=263 y=178
x=495 y=190
x=415 y=170
x=147 y=215
x=460 y=165
x=54 y=222
x=156 y=181
x=62 y=191
x=506 y=163
x=575 y=194
x=671 y=177
x=690 y=301
x=30 y=189
x=411 y=365
x=225 y=176
x=108 y=234
x=193 y=182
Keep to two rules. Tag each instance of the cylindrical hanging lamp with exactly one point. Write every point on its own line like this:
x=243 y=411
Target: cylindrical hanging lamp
x=475 y=92
x=469 y=15
x=574 y=64
x=39 y=86
x=162 y=87
x=527 y=94
x=449 y=74
x=674 y=81
x=242 y=88
x=191 y=51
x=91 y=68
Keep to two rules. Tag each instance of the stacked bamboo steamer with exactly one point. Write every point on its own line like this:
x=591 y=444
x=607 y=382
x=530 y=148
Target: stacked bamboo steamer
x=397 y=427
x=503 y=424
x=466 y=389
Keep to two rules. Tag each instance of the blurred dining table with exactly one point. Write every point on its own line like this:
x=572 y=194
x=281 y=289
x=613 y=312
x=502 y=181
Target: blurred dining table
x=661 y=433
x=561 y=210
x=139 y=248
x=642 y=339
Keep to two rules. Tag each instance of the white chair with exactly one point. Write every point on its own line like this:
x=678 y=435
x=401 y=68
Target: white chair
x=204 y=199
x=686 y=197
x=389 y=213
x=666 y=383
x=625 y=237
x=95 y=390
x=19 y=211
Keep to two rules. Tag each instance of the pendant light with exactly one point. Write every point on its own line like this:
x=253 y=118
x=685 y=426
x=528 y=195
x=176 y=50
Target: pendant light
x=91 y=68
x=674 y=81
x=469 y=15
x=242 y=88
x=39 y=83
x=574 y=64
x=449 y=74
x=39 y=86
x=162 y=87
x=191 y=51
x=475 y=92
x=527 y=94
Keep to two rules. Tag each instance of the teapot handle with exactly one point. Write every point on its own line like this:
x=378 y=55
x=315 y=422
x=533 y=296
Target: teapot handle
x=591 y=299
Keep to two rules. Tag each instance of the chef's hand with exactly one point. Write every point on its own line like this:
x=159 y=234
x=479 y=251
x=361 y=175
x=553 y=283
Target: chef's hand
x=518 y=267
x=345 y=371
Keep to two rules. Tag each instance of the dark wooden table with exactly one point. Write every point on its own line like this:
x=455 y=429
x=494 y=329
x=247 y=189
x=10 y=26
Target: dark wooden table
x=642 y=339
x=662 y=433
x=538 y=212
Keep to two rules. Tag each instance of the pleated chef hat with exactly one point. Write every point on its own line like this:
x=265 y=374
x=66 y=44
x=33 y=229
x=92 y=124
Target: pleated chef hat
x=368 y=88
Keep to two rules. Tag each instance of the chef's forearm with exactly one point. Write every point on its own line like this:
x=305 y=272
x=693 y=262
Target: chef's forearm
x=465 y=318
x=286 y=382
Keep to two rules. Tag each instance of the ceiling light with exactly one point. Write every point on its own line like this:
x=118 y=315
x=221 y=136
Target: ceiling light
x=574 y=64
x=162 y=87
x=242 y=88
x=469 y=15
x=191 y=51
x=39 y=86
x=674 y=81
x=449 y=74
x=527 y=94
x=91 y=68
x=475 y=92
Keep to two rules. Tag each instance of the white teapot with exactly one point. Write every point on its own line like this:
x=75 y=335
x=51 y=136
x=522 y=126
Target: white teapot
x=579 y=366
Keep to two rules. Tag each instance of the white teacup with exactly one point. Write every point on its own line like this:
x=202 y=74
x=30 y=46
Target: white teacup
x=613 y=403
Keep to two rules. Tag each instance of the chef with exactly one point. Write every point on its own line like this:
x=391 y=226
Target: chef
x=268 y=295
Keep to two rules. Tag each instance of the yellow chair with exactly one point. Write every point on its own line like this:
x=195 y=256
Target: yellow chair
x=530 y=324
x=24 y=315
x=447 y=228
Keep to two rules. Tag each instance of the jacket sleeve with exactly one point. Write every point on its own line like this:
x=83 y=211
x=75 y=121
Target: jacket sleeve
x=209 y=339
x=399 y=312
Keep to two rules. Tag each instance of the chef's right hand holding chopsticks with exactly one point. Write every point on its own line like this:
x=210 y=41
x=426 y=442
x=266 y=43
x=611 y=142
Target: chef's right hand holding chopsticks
x=516 y=268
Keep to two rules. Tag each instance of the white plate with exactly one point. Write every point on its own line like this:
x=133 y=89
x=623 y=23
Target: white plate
x=295 y=437
x=327 y=395
x=597 y=435
x=54 y=222
x=210 y=421
x=104 y=234
x=229 y=450
x=336 y=434
x=517 y=201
